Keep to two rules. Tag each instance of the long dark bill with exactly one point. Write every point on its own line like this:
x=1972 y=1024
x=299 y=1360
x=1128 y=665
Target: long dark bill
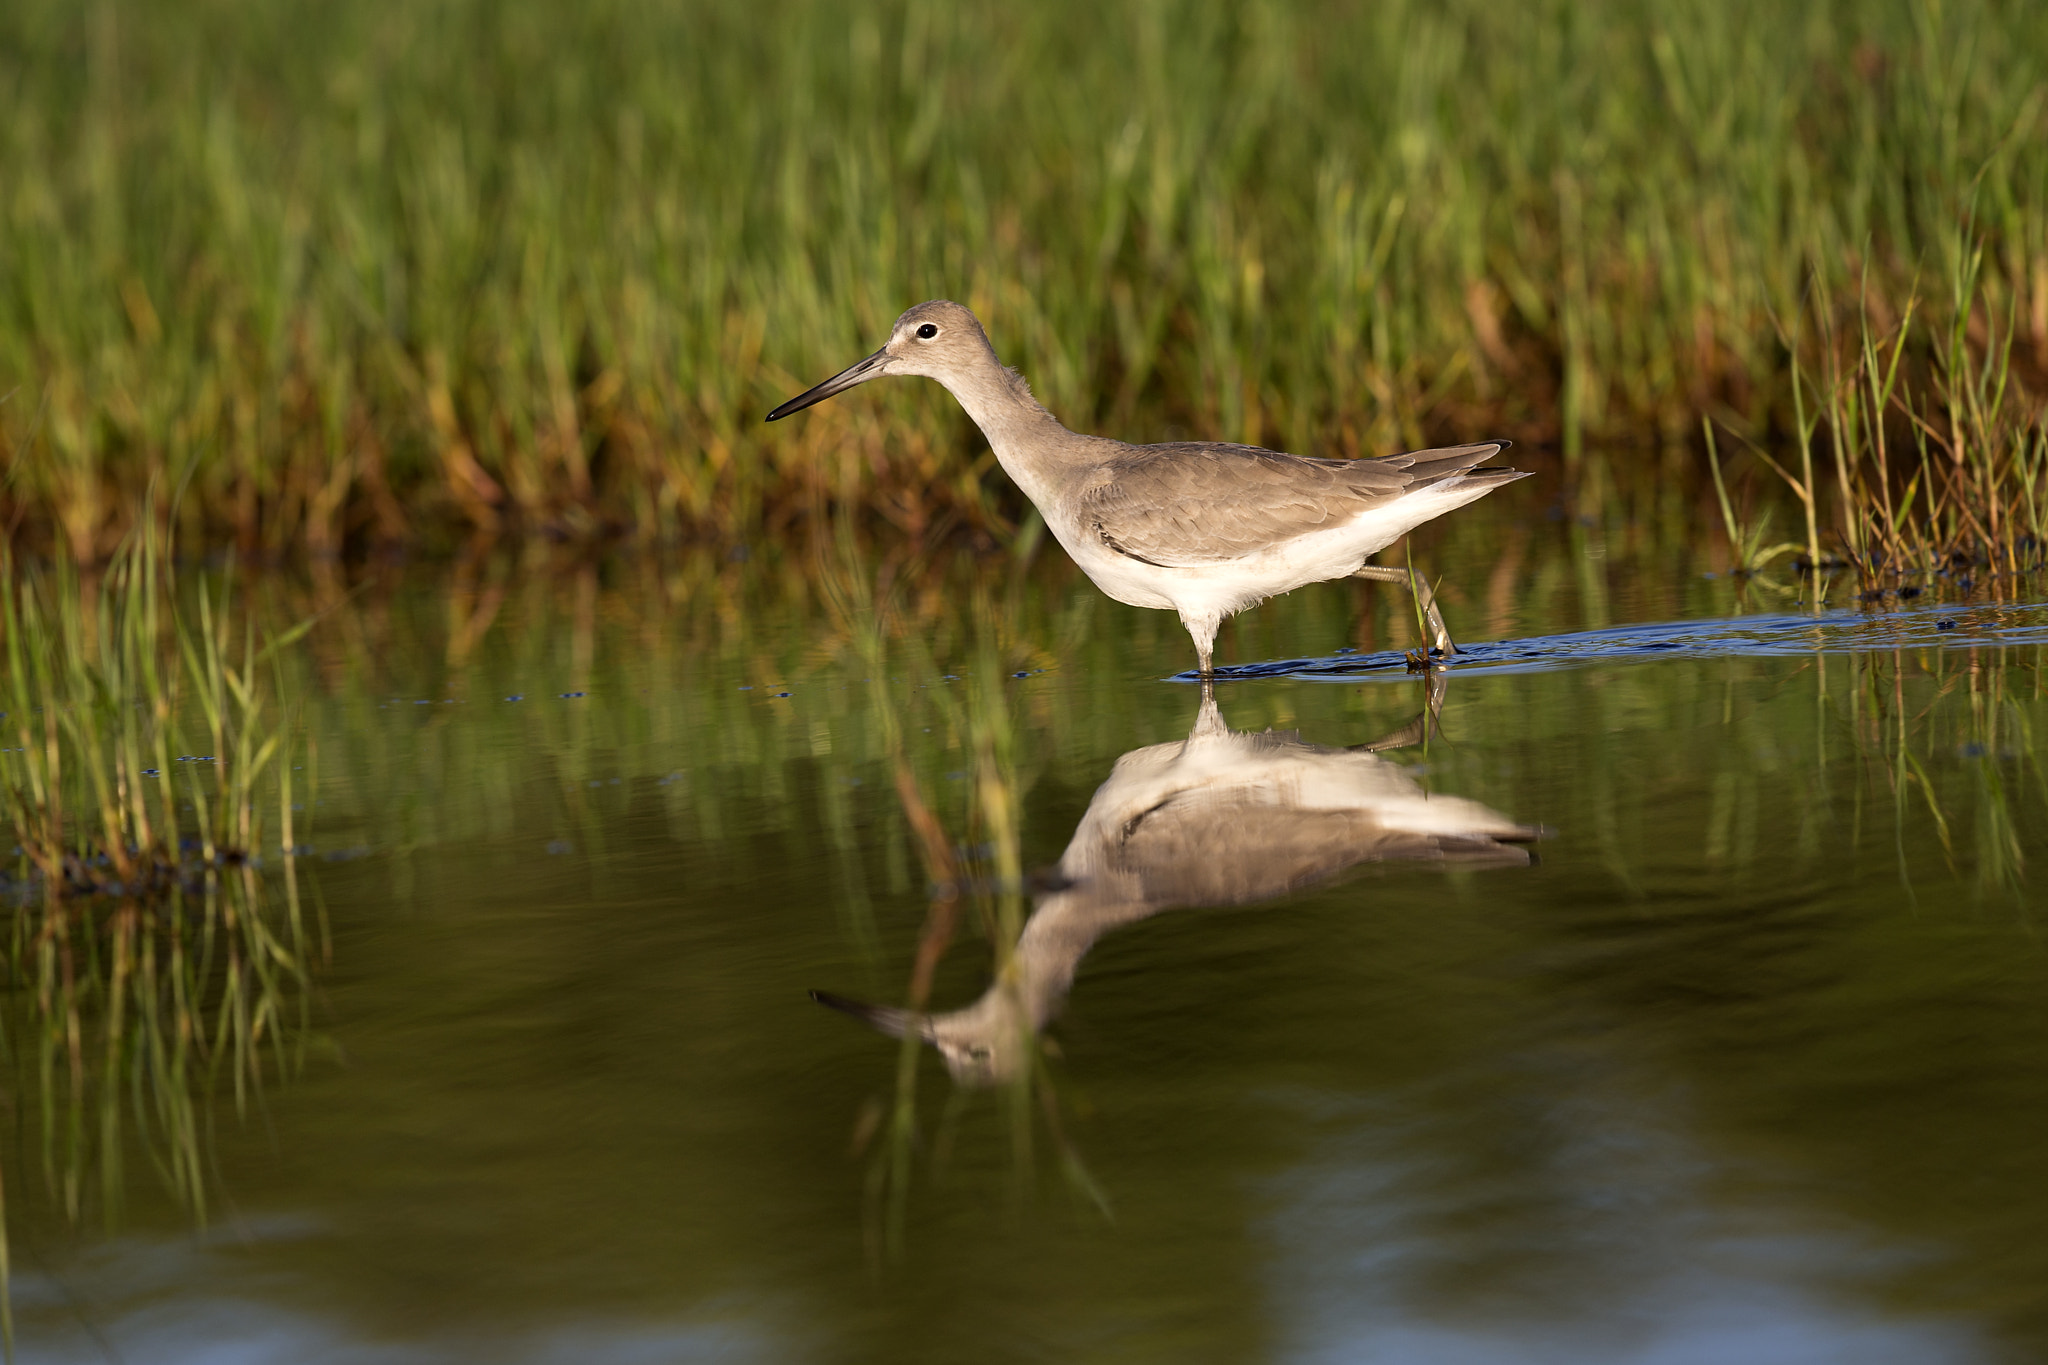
x=883 y=1018
x=845 y=379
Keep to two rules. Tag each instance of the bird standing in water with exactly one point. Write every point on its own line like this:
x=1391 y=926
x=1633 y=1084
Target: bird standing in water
x=1202 y=528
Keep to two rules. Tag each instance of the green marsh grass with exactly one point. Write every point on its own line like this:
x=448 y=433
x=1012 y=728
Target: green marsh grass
x=346 y=275
x=157 y=940
x=1896 y=479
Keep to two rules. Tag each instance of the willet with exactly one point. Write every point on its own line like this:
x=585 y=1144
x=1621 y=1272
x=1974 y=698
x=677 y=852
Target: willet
x=1202 y=528
x=1224 y=817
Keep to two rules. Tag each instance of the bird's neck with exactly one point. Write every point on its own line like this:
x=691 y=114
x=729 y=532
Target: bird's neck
x=1057 y=936
x=1034 y=448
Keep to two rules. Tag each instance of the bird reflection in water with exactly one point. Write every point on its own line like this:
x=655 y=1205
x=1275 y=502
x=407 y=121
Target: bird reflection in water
x=1224 y=817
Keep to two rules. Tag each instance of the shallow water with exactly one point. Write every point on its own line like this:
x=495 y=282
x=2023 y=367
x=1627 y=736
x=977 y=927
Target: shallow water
x=1750 y=1062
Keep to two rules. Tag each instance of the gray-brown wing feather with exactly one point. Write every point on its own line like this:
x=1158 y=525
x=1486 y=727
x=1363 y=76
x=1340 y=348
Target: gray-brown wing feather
x=1200 y=848
x=1200 y=503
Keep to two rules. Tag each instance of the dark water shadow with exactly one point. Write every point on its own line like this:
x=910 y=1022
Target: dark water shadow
x=1990 y=625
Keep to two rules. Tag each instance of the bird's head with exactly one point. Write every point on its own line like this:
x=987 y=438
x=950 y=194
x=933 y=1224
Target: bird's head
x=940 y=340
x=987 y=1043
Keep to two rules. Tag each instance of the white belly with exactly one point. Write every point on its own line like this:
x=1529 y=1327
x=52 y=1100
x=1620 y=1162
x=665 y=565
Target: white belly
x=1213 y=591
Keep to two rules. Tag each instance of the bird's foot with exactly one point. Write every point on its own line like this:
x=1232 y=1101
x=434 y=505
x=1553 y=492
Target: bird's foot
x=1421 y=660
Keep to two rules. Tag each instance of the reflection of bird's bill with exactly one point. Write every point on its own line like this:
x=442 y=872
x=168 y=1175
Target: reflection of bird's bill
x=886 y=1018
x=853 y=374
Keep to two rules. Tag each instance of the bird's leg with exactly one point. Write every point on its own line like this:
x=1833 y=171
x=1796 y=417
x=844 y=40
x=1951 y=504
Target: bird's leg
x=1433 y=693
x=1204 y=633
x=1416 y=731
x=1439 y=637
x=1208 y=720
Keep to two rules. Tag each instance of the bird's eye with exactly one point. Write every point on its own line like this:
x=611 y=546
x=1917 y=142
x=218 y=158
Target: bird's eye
x=928 y=331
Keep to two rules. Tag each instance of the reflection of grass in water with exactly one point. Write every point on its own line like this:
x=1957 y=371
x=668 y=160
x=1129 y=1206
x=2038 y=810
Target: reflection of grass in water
x=1923 y=756
x=1939 y=706
x=978 y=865
x=685 y=631
x=663 y=645
x=149 y=956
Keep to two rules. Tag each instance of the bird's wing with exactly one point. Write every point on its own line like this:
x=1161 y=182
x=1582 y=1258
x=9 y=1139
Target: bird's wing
x=1234 y=848
x=1199 y=503
x=1199 y=848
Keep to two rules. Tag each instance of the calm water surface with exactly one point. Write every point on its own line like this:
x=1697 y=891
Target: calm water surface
x=1749 y=1062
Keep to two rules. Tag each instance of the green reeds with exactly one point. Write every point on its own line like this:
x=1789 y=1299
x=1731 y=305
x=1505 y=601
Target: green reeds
x=155 y=944
x=380 y=272
x=1969 y=499
x=1745 y=538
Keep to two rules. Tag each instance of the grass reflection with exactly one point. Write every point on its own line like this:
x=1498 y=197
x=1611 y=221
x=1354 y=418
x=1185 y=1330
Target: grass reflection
x=904 y=681
x=1938 y=708
x=1732 y=830
x=975 y=865
x=157 y=939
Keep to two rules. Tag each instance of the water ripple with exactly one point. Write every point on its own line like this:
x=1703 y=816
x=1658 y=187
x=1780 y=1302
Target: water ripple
x=1994 y=626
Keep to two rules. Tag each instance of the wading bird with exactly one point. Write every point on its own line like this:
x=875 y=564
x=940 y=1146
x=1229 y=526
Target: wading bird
x=1202 y=528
